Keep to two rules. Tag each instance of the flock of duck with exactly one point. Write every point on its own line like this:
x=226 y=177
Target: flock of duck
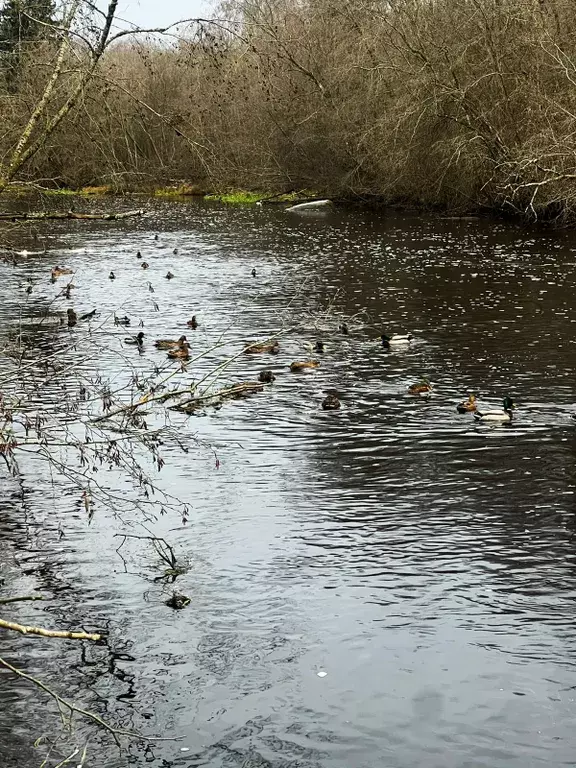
x=179 y=349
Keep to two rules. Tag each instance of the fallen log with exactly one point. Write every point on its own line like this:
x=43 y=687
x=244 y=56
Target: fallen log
x=40 y=215
x=311 y=205
x=235 y=392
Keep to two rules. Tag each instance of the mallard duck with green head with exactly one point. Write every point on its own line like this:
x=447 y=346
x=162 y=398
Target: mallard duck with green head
x=501 y=416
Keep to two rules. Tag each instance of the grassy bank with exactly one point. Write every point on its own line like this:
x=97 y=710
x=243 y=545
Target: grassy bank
x=174 y=192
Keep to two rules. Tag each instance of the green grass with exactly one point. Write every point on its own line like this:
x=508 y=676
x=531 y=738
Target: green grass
x=236 y=198
x=242 y=197
x=59 y=192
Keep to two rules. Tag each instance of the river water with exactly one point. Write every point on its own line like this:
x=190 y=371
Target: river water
x=390 y=584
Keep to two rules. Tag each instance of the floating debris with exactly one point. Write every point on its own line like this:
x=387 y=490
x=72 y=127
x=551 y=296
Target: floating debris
x=311 y=205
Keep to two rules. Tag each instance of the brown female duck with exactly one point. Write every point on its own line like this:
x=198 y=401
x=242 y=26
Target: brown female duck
x=170 y=343
x=303 y=365
x=255 y=348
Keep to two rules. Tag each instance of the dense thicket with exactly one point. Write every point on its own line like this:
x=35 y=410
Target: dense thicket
x=22 y=24
x=457 y=103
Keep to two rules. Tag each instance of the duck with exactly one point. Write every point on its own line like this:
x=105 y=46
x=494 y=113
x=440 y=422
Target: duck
x=192 y=323
x=422 y=387
x=144 y=265
x=88 y=315
x=138 y=339
x=72 y=317
x=177 y=601
x=319 y=347
x=112 y=276
x=253 y=273
x=343 y=328
x=396 y=340
x=59 y=271
x=181 y=352
x=170 y=343
x=331 y=402
x=138 y=255
x=169 y=275
x=255 y=348
x=266 y=376
x=175 y=251
x=501 y=416
x=303 y=365
x=467 y=406
x=121 y=320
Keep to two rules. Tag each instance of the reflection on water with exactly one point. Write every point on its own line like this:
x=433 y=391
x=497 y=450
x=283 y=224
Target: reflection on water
x=424 y=562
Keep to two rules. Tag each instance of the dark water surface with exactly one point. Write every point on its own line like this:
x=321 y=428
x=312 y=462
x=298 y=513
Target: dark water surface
x=424 y=565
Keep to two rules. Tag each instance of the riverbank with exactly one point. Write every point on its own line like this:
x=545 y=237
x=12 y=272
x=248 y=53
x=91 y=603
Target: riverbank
x=235 y=197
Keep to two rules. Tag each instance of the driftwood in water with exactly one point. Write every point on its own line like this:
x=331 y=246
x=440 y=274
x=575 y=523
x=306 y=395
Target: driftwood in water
x=235 y=392
x=311 y=205
x=40 y=215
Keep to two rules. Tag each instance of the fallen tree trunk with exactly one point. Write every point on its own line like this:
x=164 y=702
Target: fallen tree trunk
x=36 y=215
x=236 y=391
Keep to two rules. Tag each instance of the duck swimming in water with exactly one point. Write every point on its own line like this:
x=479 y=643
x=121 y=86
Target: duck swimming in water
x=112 y=276
x=396 y=340
x=170 y=343
x=139 y=339
x=331 y=402
x=192 y=323
x=181 y=352
x=304 y=365
x=423 y=387
x=59 y=271
x=255 y=348
x=467 y=406
x=266 y=377
x=501 y=416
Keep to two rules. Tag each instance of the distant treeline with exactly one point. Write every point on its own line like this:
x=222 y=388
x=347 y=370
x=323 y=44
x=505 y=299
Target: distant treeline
x=459 y=104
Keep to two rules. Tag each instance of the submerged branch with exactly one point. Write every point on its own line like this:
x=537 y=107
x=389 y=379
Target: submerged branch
x=64 y=703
